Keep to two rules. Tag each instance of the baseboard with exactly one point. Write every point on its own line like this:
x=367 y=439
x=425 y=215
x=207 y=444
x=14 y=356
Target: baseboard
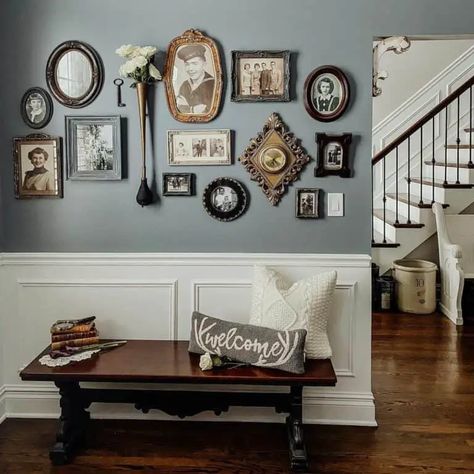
x=449 y=314
x=3 y=411
x=338 y=408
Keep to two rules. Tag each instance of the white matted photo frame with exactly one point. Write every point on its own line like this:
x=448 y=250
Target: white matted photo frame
x=37 y=167
x=199 y=147
x=93 y=148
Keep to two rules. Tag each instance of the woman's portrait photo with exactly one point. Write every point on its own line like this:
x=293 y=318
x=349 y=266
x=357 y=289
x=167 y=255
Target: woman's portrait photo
x=193 y=78
x=36 y=108
x=326 y=93
x=37 y=167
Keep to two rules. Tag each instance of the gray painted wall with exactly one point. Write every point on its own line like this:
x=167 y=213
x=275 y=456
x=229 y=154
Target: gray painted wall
x=104 y=216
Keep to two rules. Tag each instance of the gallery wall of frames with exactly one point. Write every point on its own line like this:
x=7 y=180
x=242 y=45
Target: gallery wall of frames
x=194 y=81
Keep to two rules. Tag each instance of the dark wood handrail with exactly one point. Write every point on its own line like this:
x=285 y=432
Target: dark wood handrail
x=419 y=123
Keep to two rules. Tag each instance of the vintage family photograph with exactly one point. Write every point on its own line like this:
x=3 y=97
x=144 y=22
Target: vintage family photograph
x=333 y=154
x=200 y=147
x=260 y=76
x=326 y=93
x=178 y=184
x=38 y=171
x=225 y=199
x=307 y=203
x=36 y=108
x=193 y=78
x=93 y=148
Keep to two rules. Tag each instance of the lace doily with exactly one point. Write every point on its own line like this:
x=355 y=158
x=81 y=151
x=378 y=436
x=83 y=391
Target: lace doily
x=60 y=361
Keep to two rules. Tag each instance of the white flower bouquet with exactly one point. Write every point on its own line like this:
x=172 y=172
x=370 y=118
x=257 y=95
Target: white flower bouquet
x=139 y=65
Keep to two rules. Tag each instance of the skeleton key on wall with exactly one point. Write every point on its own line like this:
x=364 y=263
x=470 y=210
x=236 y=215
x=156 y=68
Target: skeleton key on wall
x=119 y=84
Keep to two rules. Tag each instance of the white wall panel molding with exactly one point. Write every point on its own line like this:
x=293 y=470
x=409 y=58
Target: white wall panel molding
x=152 y=296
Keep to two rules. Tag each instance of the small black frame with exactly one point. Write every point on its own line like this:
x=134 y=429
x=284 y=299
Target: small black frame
x=213 y=210
x=341 y=164
x=238 y=56
x=47 y=104
x=190 y=177
x=299 y=212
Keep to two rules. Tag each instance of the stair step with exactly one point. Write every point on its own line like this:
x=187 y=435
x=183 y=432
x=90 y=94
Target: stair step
x=469 y=130
x=450 y=164
x=391 y=217
x=440 y=184
x=461 y=147
x=378 y=241
x=414 y=200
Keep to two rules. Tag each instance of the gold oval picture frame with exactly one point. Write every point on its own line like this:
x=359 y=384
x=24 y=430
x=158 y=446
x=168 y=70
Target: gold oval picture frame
x=193 y=78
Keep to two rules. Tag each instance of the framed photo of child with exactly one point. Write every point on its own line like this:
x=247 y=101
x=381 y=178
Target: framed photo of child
x=37 y=167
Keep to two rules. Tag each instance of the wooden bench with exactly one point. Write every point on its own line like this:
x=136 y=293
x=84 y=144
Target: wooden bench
x=169 y=362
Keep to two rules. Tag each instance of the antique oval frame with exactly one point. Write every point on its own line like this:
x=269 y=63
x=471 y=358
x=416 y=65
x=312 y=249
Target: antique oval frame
x=47 y=101
x=308 y=87
x=97 y=74
x=237 y=187
x=189 y=37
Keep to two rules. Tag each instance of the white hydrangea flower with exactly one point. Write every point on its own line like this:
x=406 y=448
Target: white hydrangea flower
x=147 y=51
x=154 y=72
x=127 y=51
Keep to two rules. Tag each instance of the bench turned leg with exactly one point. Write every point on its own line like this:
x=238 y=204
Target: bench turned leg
x=294 y=424
x=72 y=423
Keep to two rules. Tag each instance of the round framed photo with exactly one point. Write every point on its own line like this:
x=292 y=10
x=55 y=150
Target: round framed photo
x=36 y=107
x=225 y=199
x=326 y=93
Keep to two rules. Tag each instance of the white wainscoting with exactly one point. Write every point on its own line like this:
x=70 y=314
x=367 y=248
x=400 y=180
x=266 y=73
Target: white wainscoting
x=152 y=296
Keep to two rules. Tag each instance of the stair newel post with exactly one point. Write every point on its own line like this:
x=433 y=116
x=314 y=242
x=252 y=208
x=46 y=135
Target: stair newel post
x=396 y=186
x=433 y=161
x=446 y=145
x=458 y=141
x=384 y=200
x=470 y=164
x=421 y=166
x=409 y=179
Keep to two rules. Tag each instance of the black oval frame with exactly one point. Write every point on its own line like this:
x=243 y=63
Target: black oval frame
x=242 y=199
x=308 y=87
x=49 y=107
x=97 y=74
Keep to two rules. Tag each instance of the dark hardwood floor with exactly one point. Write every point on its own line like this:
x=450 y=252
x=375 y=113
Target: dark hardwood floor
x=423 y=380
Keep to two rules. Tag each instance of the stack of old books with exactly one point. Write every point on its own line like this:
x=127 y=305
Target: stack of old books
x=74 y=333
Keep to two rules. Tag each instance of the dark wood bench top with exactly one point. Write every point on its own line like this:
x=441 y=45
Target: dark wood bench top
x=170 y=361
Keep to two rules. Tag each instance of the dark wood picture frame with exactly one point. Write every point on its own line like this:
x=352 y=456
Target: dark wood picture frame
x=190 y=37
x=238 y=56
x=299 y=206
x=97 y=74
x=309 y=94
x=55 y=172
x=341 y=164
x=47 y=103
x=213 y=210
x=191 y=177
x=274 y=158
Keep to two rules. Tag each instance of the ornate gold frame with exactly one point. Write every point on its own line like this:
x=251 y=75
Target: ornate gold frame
x=276 y=134
x=189 y=37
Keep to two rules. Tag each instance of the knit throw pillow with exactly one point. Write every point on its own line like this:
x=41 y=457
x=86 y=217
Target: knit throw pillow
x=278 y=304
x=253 y=345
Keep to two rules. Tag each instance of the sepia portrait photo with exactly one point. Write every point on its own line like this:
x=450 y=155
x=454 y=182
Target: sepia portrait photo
x=326 y=93
x=93 y=148
x=199 y=147
x=307 y=203
x=178 y=184
x=260 y=76
x=333 y=156
x=37 y=167
x=36 y=107
x=193 y=78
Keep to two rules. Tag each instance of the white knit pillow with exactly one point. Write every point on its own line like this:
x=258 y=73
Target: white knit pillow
x=278 y=304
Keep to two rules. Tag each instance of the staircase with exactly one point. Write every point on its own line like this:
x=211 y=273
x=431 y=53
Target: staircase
x=432 y=161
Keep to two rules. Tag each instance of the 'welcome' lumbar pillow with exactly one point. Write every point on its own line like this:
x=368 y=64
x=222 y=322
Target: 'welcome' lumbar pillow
x=263 y=347
x=279 y=304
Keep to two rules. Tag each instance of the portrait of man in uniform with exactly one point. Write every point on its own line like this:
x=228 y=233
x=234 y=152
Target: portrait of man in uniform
x=194 y=85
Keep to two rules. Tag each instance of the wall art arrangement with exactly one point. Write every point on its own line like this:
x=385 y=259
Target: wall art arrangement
x=194 y=84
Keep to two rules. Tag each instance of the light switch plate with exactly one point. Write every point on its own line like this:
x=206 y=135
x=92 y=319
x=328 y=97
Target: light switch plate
x=335 y=204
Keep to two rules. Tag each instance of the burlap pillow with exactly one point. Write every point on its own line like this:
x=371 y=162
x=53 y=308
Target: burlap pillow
x=263 y=347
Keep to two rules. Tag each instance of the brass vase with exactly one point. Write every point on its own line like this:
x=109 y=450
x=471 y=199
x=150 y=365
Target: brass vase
x=144 y=195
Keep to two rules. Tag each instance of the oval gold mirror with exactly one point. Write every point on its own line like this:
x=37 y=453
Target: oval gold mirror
x=74 y=74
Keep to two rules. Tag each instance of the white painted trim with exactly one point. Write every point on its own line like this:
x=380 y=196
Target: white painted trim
x=3 y=413
x=197 y=285
x=46 y=398
x=185 y=259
